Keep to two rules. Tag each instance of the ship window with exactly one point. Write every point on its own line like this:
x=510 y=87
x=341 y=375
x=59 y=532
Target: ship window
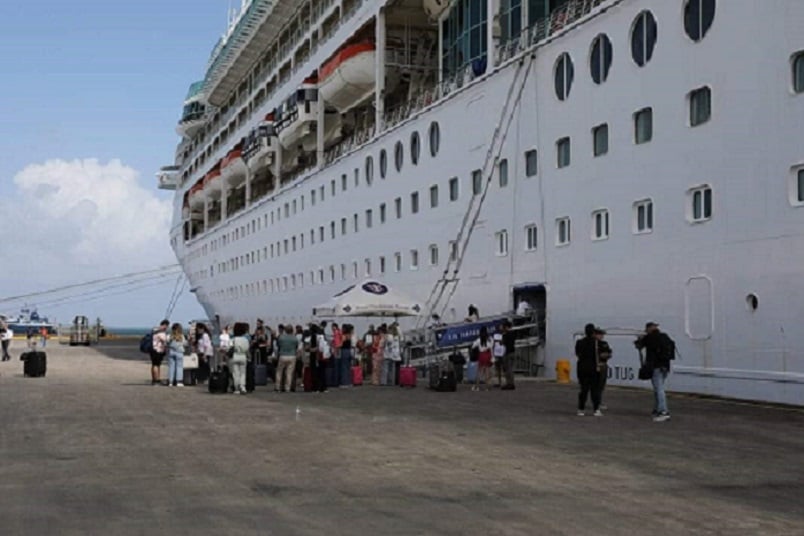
x=355 y=222
x=382 y=213
x=293 y=242
x=414 y=259
x=698 y=18
x=531 y=163
x=600 y=224
x=453 y=189
x=531 y=237
x=600 y=139
x=600 y=58
x=453 y=251
x=435 y=138
x=369 y=170
x=332 y=230
x=563 y=232
x=510 y=19
x=501 y=238
x=398 y=207
x=343 y=184
x=343 y=226
x=414 y=203
x=700 y=106
x=564 y=75
x=699 y=204
x=563 y=152
x=382 y=265
x=321 y=193
x=321 y=233
x=643 y=38
x=415 y=148
x=397 y=262
x=643 y=216
x=433 y=196
x=343 y=272
x=285 y=246
x=355 y=271
x=798 y=72
x=312 y=197
x=643 y=125
x=399 y=155
x=369 y=219
x=433 y=255
x=383 y=163
x=331 y=273
x=321 y=276
x=357 y=177
x=752 y=302
x=477 y=182
x=312 y=236
x=502 y=171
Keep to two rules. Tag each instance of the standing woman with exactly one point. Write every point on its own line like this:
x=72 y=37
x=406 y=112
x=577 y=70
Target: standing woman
x=239 y=359
x=392 y=354
x=378 y=344
x=483 y=345
x=205 y=351
x=177 y=344
x=347 y=354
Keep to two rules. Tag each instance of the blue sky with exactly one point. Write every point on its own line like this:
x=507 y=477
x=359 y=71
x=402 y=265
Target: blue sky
x=92 y=79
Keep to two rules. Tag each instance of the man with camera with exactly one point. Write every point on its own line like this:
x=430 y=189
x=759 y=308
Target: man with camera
x=659 y=351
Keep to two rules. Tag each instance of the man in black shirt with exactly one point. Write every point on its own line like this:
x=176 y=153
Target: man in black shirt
x=509 y=341
x=659 y=351
x=586 y=350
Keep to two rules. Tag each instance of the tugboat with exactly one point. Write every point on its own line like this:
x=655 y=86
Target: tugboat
x=27 y=320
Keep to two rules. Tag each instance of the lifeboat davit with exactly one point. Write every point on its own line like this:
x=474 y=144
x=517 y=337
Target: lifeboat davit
x=434 y=8
x=296 y=119
x=347 y=79
x=233 y=167
x=259 y=148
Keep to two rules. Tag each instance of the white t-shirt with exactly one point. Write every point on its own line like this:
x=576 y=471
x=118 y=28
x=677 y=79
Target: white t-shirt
x=523 y=308
x=483 y=347
x=499 y=347
x=7 y=335
x=225 y=341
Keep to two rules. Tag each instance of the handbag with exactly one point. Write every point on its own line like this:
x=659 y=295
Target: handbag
x=190 y=362
x=645 y=372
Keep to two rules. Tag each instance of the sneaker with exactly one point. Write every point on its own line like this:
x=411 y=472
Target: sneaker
x=179 y=385
x=598 y=413
x=580 y=413
x=661 y=417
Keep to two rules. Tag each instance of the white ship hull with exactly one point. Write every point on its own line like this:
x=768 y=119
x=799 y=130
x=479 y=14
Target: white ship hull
x=696 y=279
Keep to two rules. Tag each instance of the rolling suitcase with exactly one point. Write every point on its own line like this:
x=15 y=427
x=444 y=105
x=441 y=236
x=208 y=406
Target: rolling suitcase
x=433 y=374
x=332 y=374
x=446 y=382
x=407 y=377
x=308 y=379
x=357 y=376
x=471 y=372
x=260 y=374
x=219 y=382
x=34 y=364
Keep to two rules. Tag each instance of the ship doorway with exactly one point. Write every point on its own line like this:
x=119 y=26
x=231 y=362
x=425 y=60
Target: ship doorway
x=535 y=297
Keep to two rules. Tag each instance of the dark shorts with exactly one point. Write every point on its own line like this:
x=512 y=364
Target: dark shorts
x=156 y=359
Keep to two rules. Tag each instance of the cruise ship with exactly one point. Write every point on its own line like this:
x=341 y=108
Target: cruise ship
x=609 y=161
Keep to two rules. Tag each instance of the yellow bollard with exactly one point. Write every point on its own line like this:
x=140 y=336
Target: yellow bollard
x=563 y=371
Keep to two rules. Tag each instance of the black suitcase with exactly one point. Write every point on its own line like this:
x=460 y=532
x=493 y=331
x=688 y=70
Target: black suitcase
x=34 y=364
x=250 y=377
x=434 y=375
x=219 y=382
x=447 y=382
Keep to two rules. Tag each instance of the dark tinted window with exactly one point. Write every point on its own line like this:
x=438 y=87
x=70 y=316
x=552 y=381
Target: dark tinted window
x=698 y=18
x=643 y=38
x=564 y=75
x=600 y=59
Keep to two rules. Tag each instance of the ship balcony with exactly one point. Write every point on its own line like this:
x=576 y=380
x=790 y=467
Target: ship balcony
x=191 y=124
x=168 y=178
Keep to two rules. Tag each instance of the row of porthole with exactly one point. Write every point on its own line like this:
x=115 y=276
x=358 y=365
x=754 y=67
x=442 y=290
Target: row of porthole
x=698 y=18
x=434 y=136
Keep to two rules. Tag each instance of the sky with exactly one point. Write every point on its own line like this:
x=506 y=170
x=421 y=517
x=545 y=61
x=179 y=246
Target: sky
x=90 y=93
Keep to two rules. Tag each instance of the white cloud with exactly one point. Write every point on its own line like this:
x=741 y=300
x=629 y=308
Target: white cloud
x=66 y=222
x=87 y=214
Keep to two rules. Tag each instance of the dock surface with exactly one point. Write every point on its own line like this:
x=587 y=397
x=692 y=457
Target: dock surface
x=94 y=448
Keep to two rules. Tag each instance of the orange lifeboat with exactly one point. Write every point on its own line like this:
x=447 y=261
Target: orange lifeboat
x=233 y=166
x=348 y=78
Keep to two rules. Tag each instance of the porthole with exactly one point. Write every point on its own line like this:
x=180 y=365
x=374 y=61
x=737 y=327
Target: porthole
x=369 y=170
x=415 y=148
x=564 y=75
x=698 y=18
x=399 y=155
x=383 y=163
x=435 y=138
x=643 y=38
x=600 y=58
x=752 y=302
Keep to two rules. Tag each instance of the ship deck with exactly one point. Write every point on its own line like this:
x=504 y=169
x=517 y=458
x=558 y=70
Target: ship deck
x=94 y=445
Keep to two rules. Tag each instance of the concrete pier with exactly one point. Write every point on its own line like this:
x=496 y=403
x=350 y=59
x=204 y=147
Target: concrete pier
x=94 y=448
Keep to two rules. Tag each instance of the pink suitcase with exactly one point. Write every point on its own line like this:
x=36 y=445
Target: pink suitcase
x=357 y=376
x=407 y=377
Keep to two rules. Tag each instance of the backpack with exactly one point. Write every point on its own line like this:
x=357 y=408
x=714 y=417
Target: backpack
x=668 y=347
x=147 y=343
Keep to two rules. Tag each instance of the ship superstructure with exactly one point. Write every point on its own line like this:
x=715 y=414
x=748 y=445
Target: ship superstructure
x=610 y=161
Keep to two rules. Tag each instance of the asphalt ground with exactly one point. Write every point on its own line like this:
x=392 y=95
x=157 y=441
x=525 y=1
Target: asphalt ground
x=93 y=448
